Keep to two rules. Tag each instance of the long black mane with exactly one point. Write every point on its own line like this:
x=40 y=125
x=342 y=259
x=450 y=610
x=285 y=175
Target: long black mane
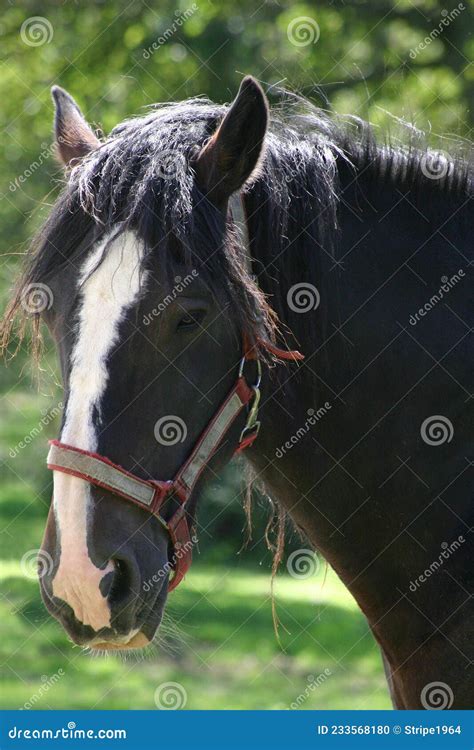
x=142 y=178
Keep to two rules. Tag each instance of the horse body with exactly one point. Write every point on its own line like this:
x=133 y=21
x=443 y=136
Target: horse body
x=362 y=255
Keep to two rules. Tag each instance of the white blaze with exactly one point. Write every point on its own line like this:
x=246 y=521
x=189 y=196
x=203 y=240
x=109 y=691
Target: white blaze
x=106 y=295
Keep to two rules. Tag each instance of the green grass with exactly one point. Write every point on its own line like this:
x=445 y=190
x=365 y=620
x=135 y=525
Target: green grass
x=218 y=640
x=219 y=645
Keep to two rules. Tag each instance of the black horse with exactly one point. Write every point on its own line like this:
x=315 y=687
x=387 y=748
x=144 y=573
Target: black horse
x=357 y=255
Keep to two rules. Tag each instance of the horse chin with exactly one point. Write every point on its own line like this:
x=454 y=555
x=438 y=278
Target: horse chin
x=137 y=641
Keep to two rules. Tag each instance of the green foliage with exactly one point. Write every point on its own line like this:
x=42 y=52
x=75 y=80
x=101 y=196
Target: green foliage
x=117 y=57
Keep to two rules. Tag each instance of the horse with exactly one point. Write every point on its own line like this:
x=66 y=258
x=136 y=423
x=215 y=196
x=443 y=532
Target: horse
x=227 y=277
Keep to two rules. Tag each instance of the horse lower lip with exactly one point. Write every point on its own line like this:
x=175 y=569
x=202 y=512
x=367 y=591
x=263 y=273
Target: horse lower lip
x=139 y=640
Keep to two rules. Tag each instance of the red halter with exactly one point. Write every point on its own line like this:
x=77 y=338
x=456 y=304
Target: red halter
x=151 y=494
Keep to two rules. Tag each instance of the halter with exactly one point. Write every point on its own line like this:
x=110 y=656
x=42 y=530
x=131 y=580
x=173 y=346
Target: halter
x=167 y=499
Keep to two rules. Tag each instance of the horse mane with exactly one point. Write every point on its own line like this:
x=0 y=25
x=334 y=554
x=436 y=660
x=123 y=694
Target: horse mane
x=141 y=178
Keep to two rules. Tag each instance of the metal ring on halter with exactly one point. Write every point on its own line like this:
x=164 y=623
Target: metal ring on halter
x=259 y=370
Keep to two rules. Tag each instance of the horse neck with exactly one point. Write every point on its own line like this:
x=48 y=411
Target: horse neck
x=340 y=471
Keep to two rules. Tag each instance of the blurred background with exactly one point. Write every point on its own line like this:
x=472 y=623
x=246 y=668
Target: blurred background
x=378 y=59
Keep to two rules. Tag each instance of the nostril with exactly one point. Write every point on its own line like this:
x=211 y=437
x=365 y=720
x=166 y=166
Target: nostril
x=107 y=582
x=120 y=585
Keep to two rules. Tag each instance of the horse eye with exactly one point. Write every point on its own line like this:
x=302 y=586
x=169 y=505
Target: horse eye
x=191 y=320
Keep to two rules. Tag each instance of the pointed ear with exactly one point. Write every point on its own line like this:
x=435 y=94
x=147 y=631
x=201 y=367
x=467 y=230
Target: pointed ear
x=233 y=152
x=74 y=137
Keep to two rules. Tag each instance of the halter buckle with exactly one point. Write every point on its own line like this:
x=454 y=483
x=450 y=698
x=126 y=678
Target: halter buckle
x=252 y=425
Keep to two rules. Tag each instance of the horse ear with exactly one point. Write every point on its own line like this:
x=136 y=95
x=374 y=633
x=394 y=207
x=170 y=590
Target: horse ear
x=74 y=137
x=232 y=154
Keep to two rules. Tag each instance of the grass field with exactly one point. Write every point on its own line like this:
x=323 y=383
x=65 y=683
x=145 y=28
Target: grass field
x=219 y=647
x=219 y=644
